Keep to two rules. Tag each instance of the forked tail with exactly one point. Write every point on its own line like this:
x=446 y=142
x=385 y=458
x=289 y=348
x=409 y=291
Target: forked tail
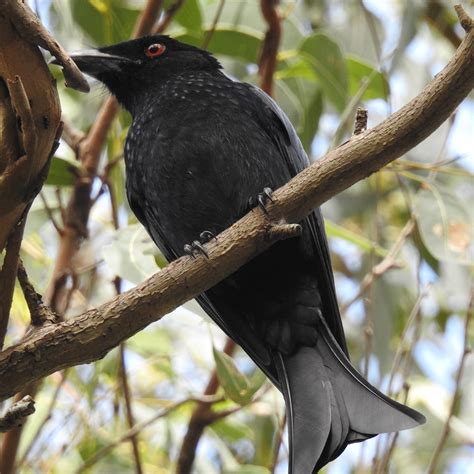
x=329 y=404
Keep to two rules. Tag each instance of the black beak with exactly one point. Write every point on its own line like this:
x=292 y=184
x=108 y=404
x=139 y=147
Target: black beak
x=96 y=63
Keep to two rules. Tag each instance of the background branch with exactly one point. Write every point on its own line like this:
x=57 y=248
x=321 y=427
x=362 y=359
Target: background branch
x=16 y=414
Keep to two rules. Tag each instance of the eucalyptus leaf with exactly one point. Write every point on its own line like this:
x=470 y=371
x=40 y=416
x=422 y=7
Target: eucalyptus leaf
x=232 y=430
x=444 y=224
x=239 y=43
x=247 y=469
x=189 y=15
x=335 y=230
x=231 y=379
x=326 y=58
x=105 y=21
x=62 y=172
x=378 y=87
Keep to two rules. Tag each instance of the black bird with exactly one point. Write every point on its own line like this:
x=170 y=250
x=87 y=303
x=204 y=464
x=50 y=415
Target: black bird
x=200 y=149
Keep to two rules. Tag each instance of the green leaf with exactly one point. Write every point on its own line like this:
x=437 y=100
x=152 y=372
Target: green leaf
x=62 y=172
x=326 y=58
x=232 y=430
x=151 y=342
x=247 y=469
x=312 y=114
x=300 y=68
x=302 y=92
x=235 y=384
x=265 y=428
x=189 y=15
x=240 y=44
x=444 y=224
x=378 y=87
x=105 y=21
x=335 y=230
x=286 y=96
x=256 y=380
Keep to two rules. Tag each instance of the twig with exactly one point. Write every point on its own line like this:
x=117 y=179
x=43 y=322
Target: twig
x=381 y=468
x=147 y=20
x=72 y=136
x=39 y=313
x=15 y=415
x=7 y=276
x=434 y=15
x=372 y=31
x=128 y=409
x=278 y=443
x=284 y=231
x=385 y=265
x=31 y=30
x=271 y=42
x=45 y=419
x=200 y=418
x=212 y=29
x=360 y=121
x=402 y=348
x=59 y=198
x=457 y=391
x=169 y=15
x=128 y=434
x=50 y=214
x=466 y=21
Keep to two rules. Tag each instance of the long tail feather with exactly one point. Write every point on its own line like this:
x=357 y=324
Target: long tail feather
x=329 y=404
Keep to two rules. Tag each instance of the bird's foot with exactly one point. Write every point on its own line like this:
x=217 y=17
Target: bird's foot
x=287 y=334
x=261 y=200
x=197 y=246
x=206 y=236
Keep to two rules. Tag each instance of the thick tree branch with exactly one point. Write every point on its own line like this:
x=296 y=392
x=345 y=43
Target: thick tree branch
x=92 y=334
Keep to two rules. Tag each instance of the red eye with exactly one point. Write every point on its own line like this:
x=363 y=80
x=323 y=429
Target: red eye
x=155 y=50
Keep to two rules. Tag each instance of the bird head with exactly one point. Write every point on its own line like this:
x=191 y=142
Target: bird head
x=130 y=68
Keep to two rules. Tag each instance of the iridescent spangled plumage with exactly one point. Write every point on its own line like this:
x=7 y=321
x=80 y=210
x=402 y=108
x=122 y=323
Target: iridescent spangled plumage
x=199 y=147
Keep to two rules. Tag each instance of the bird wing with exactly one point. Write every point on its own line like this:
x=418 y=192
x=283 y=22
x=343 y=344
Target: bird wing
x=283 y=134
x=241 y=335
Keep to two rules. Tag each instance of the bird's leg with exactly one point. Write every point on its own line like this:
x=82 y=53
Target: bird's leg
x=261 y=200
x=197 y=246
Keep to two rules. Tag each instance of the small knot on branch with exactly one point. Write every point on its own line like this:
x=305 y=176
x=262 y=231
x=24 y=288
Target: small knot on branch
x=464 y=18
x=16 y=414
x=284 y=231
x=360 y=121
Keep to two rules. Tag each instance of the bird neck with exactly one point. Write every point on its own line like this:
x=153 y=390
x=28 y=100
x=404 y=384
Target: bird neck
x=159 y=90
